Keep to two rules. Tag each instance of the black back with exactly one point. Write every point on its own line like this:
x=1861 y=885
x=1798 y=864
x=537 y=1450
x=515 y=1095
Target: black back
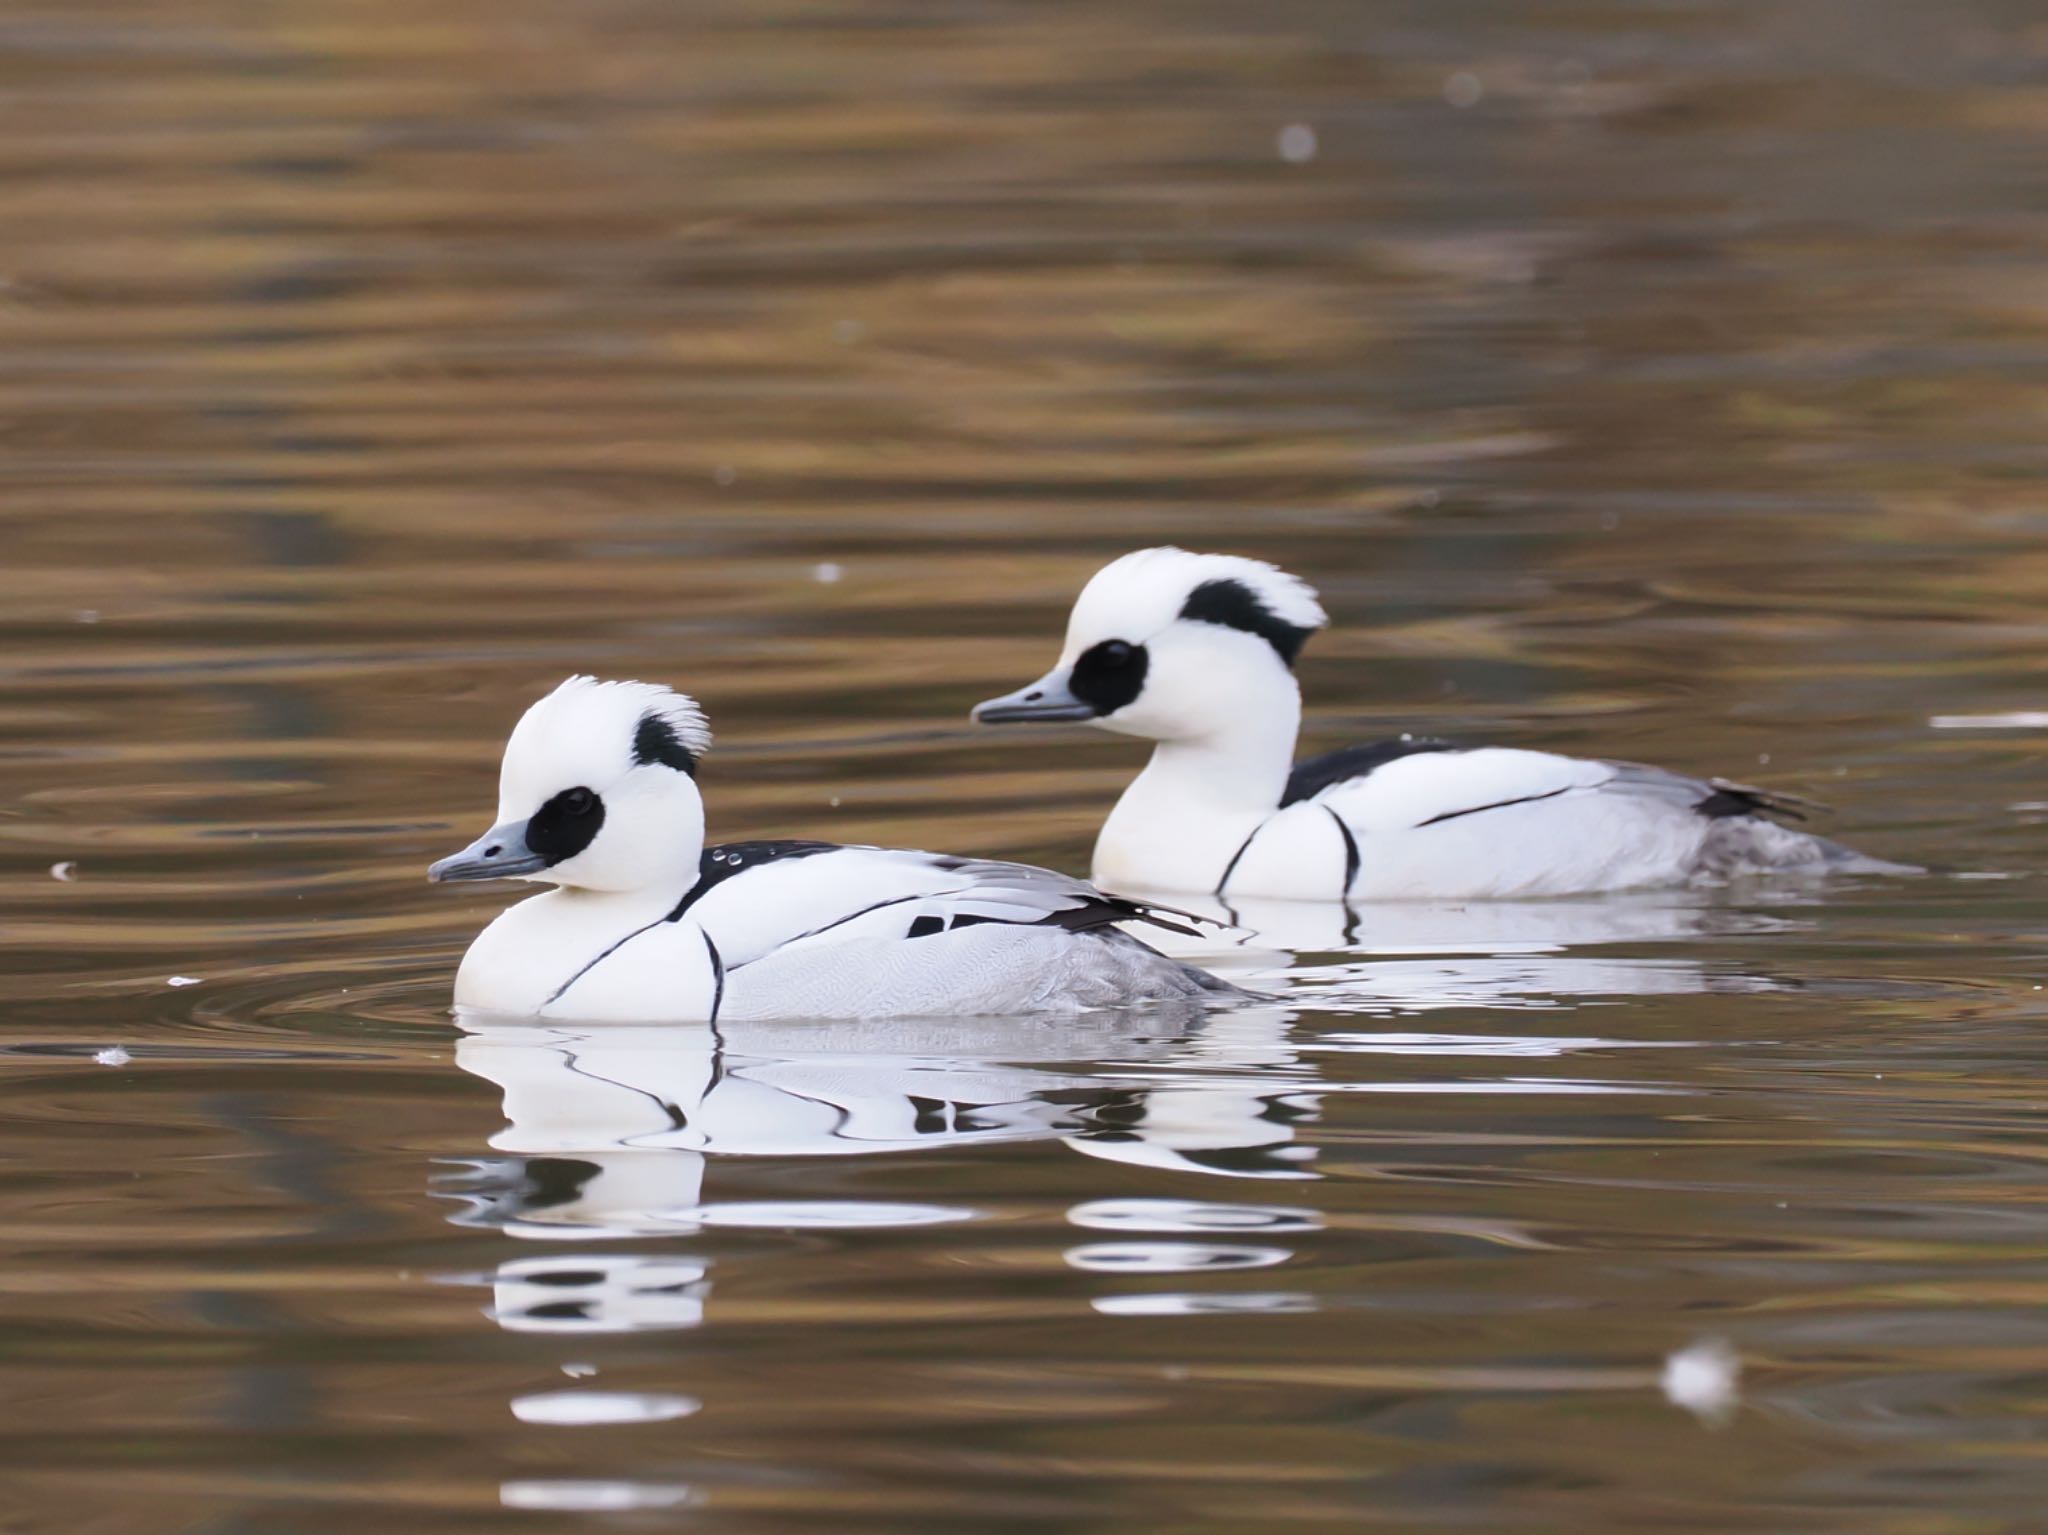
x=721 y=863
x=1315 y=774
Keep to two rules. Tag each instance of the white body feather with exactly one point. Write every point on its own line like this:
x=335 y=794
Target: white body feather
x=823 y=934
x=1493 y=823
x=598 y=797
x=1194 y=652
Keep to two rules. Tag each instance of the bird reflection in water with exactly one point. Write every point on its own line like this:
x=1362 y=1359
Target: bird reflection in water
x=1523 y=955
x=613 y=1131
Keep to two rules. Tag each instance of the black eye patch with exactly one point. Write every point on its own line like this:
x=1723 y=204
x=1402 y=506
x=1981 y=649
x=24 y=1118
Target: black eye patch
x=1109 y=675
x=1236 y=606
x=565 y=825
x=656 y=741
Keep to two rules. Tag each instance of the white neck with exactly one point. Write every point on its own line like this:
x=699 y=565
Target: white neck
x=1186 y=815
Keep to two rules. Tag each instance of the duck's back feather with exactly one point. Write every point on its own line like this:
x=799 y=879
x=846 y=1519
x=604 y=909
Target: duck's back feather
x=1312 y=775
x=773 y=899
x=1423 y=819
x=1417 y=790
x=979 y=969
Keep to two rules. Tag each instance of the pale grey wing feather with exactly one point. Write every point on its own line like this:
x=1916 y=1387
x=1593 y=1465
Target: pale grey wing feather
x=1714 y=798
x=1022 y=892
x=940 y=935
x=875 y=891
x=1746 y=833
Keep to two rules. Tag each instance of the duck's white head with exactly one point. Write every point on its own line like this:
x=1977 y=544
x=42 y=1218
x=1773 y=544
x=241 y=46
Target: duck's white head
x=597 y=791
x=1174 y=646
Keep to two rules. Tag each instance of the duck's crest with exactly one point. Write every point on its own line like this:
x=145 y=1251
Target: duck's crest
x=1149 y=588
x=1287 y=597
x=670 y=725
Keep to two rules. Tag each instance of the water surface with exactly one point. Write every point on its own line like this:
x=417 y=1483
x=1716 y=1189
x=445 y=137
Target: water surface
x=1659 y=381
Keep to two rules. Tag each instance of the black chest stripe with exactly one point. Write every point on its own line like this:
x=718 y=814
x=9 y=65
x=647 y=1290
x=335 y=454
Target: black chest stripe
x=717 y=865
x=1501 y=804
x=1310 y=778
x=601 y=958
x=1243 y=848
x=1350 y=851
x=721 y=863
x=717 y=965
x=717 y=976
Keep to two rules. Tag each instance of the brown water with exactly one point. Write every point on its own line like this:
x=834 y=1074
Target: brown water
x=1663 y=380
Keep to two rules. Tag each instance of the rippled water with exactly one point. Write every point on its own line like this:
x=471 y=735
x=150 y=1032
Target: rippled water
x=1657 y=380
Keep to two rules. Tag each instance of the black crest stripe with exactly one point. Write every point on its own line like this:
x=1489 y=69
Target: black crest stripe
x=656 y=741
x=1235 y=605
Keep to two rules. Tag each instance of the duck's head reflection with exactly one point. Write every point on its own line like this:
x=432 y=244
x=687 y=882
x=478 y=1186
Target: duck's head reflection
x=615 y=1130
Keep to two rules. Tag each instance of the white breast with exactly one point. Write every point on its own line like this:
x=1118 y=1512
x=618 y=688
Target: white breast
x=1300 y=851
x=580 y=954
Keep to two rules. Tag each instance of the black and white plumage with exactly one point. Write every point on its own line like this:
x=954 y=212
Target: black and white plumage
x=1195 y=652
x=598 y=797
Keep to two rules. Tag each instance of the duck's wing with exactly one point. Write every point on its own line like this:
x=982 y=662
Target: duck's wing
x=1496 y=822
x=1443 y=784
x=1416 y=781
x=767 y=896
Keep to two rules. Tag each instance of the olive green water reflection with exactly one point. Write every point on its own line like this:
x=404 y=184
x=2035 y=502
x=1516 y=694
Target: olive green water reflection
x=1652 y=380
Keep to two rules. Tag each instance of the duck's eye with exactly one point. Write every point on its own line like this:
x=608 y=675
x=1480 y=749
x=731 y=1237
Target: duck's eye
x=1109 y=675
x=565 y=825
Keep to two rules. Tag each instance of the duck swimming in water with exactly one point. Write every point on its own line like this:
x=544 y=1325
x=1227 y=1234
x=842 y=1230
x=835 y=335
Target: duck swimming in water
x=597 y=796
x=1195 y=652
